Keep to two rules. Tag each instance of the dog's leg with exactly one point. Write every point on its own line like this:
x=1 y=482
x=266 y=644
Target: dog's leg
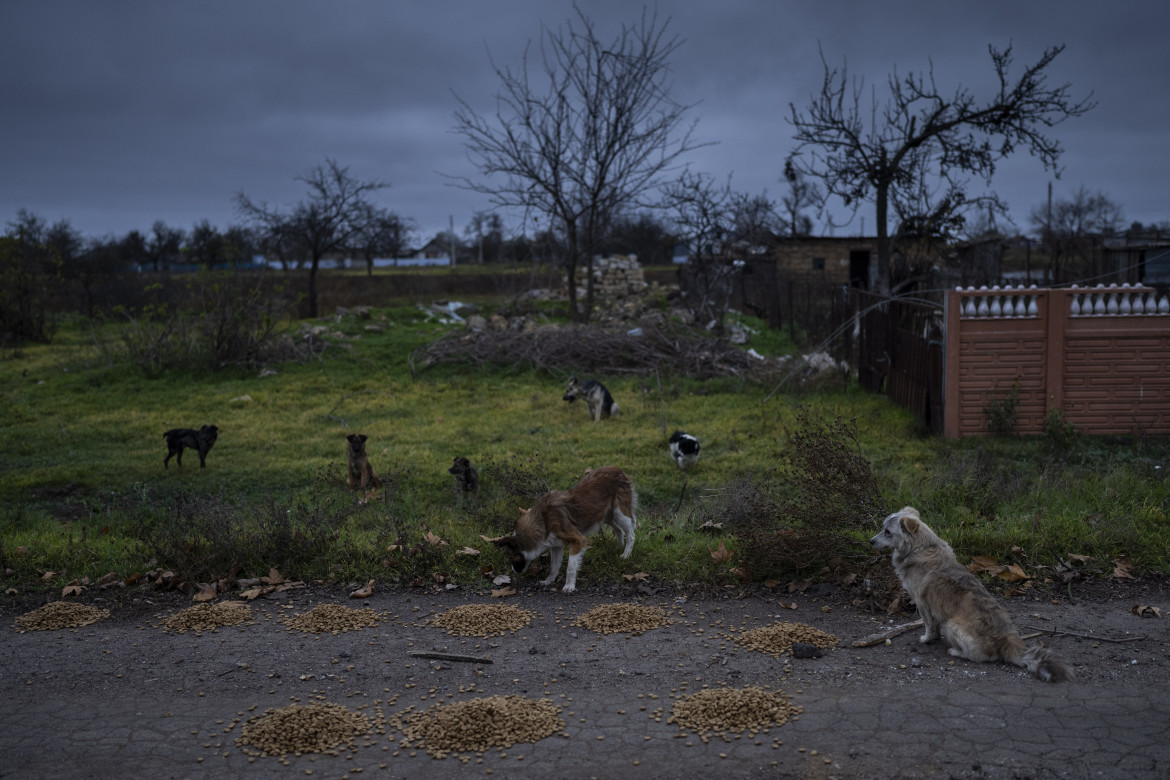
x=555 y=554
x=202 y=458
x=930 y=626
x=571 y=572
x=624 y=526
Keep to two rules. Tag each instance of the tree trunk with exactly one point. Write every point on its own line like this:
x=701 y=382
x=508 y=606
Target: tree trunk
x=882 y=281
x=313 y=287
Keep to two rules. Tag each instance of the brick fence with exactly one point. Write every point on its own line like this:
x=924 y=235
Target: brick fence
x=1100 y=355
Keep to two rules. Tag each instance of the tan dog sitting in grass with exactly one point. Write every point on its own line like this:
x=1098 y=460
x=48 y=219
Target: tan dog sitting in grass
x=954 y=604
x=361 y=473
x=563 y=518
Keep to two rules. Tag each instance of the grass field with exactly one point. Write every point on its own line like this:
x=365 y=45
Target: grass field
x=83 y=490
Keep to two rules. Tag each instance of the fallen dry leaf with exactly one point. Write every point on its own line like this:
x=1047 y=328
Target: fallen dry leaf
x=791 y=605
x=363 y=593
x=502 y=592
x=108 y=577
x=22 y=551
x=1080 y=558
x=1012 y=573
x=802 y=586
x=643 y=576
x=467 y=551
x=133 y=578
x=10 y=592
x=981 y=563
x=48 y=576
x=1142 y=610
x=252 y=593
x=771 y=583
x=709 y=526
x=206 y=592
x=1121 y=569
x=503 y=579
x=71 y=590
x=274 y=578
x=490 y=539
x=720 y=554
x=435 y=540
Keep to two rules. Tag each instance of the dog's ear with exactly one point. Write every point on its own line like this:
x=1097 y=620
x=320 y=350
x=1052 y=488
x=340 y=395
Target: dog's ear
x=363 y=437
x=351 y=437
x=910 y=523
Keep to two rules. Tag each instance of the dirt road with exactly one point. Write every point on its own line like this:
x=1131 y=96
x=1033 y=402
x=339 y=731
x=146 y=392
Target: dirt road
x=125 y=698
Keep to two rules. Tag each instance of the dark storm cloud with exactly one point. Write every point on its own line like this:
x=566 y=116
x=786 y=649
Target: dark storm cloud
x=117 y=114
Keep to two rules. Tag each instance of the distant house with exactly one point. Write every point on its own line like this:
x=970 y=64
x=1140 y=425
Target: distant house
x=835 y=260
x=1139 y=257
x=434 y=249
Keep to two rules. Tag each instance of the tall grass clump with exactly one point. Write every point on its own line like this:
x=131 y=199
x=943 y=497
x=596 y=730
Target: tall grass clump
x=813 y=511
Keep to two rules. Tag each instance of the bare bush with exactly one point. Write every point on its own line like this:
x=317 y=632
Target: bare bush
x=506 y=487
x=239 y=322
x=813 y=513
x=592 y=349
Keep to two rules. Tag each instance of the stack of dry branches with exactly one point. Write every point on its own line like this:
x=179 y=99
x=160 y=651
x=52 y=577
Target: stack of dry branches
x=591 y=349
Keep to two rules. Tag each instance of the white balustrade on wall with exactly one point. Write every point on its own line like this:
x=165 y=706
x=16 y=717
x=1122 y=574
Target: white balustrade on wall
x=1021 y=302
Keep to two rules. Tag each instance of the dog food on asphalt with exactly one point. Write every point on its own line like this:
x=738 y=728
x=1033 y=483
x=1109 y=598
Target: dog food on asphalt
x=732 y=710
x=59 y=614
x=482 y=620
x=333 y=618
x=776 y=639
x=205 y=617
x=623 y=619
x=309 y=728
x=479 y=724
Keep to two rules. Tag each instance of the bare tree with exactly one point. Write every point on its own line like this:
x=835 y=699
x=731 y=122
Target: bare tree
x=380 y=233
x=802 y=194
x=324 y=222
x=920 y=143
x=594 y=132
x=1071 y=230
x=704 y=218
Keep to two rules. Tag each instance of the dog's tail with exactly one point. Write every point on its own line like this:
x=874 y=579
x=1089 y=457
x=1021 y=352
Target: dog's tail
x=1043 y=663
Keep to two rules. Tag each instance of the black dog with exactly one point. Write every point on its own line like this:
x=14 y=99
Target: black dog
x=466 y=478
x=200 y=440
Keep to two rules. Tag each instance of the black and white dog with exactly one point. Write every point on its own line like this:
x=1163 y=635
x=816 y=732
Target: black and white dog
x=684 y=449
x=598 y=400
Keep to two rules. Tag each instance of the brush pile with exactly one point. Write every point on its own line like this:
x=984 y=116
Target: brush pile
x=594 y=350
x=732 y=710
x=623 y=619
x=479 y=724
x=482 y=620
x=206 y=617
x=309 y=728
x=777 y=639
x=333 y=618
x=59 y=614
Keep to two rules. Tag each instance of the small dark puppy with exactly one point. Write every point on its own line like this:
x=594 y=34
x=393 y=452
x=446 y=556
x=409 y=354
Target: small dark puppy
x=200 y=440
x=466 y=479
x=361 y=473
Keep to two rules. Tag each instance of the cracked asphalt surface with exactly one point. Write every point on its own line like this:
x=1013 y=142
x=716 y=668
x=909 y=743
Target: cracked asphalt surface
x=122 y=697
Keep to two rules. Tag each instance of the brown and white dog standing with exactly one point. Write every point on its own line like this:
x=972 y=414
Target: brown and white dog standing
x=953 y=602
x=361 y=473
x=563 y=518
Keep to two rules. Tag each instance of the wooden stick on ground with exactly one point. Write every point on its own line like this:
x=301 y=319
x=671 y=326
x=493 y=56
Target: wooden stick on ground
x=471 y=659
x=889 y=633
x=1087 y=636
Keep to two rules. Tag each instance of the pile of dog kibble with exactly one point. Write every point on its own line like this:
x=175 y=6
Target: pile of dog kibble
x=333 y=618
x=206 y=617
x=482 y=620
x=302 y=728
x=777 y=639
x=59 y=614
x=622 y=619
x=732 y=710
x=478 y=724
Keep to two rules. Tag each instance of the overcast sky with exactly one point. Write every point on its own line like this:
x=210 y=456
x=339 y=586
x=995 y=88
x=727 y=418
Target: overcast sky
x=117 y=114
